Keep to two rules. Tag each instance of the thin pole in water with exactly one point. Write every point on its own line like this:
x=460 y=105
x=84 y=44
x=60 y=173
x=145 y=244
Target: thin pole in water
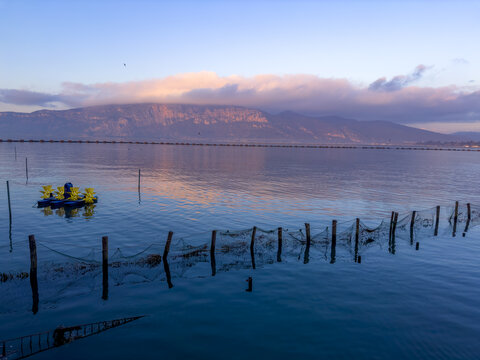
x=212 y=253
x=469 y=217
x=26 y=167
x=33 y=272
x=357 y=233
x=279 y=251
x=334 y=241
x=455 y=218
x=412 y=224
x=9 y=204
x=437 y=220
x=105 y=267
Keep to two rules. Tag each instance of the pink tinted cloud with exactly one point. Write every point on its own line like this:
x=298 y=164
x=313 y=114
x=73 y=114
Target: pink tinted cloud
x=396 y=99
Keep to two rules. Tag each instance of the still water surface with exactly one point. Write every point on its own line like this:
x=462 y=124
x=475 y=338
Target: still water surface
x=414 y=304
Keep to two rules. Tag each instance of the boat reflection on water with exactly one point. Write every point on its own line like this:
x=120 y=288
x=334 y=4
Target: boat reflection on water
x=86 y=211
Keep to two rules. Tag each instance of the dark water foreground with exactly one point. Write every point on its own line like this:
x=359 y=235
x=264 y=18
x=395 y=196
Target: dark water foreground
x=405 y=303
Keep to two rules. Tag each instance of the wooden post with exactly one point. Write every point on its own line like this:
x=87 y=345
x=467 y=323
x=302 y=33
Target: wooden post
x=455 y=218
x=334 y=241
x=390 y=232
x=437 y=220
x=417 y=246
x=306 y=257
x=212 y=252
x=9 y=205
x=469 y=217
x=252 y=246
x=138 y=179
x=33 y=272
x=307 y=234
x=250 y=284
x=105 y=267
x=26 y=167
x=359 y=259
x=279 y=251
x=357 y=234
x=167 y=272
x=167 y=245
x=412 y=224
x=394 y=228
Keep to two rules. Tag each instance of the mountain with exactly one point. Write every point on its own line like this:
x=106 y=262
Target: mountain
x=149 y=122
x=468 y=135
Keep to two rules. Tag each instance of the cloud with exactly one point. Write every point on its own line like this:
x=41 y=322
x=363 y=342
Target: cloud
x=399 y=81
x=395 y=100
x=25 y=97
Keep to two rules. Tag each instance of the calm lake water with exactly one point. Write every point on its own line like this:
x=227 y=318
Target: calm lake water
x=411 y=304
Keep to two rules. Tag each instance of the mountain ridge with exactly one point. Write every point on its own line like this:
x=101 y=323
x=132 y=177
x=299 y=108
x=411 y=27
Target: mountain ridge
x=153 y=121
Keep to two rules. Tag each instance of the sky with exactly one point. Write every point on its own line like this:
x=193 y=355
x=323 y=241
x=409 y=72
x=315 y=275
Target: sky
x=411 y=62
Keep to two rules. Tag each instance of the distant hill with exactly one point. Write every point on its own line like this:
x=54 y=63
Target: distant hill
x=150 y=122
x=468 y=135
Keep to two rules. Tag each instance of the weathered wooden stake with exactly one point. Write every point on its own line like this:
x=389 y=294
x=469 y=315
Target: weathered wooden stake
x=33 y=272
x=252 y=246
x=105 y=267
x=394 y=228
x=357 y=234
x=412 y=224
x=279 y=251
x=167 y=245
x=334 y=241
x=26 y=167
x=437 y=220
x=138 y=179
x=455 y=218
x=307 y=234
x=250 y=284
x=306 y=257
x=212 y=253
x=390 y=232
x=469 y=217
x=167 y=273
x=9 y=205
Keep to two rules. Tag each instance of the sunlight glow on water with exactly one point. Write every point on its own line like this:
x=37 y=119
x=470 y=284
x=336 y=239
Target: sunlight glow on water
x=413 y=304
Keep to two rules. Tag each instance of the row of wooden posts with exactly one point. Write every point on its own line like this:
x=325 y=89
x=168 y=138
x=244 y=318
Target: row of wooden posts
x=357 y=257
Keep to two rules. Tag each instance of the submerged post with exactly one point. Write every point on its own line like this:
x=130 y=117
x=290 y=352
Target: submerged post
x=469 y=217
x=252 y=246
x=167 y=245
x=307 y=234
x=357 y=234
x=9 y=205
x=334 y=241
x=105 y=267
x=212 y=252
x=167 y=273
x=455 y=218
x=33 y=272
x=26 y=167
x=391 y=228
x=412 y=224
x=138 y=179
x=437 y=220
x=280 y=239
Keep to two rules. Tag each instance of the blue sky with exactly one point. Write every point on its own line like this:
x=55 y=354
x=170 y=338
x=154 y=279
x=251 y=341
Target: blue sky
x=46 y=44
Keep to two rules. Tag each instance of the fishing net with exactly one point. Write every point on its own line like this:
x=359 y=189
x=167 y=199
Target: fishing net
x=77 y=270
